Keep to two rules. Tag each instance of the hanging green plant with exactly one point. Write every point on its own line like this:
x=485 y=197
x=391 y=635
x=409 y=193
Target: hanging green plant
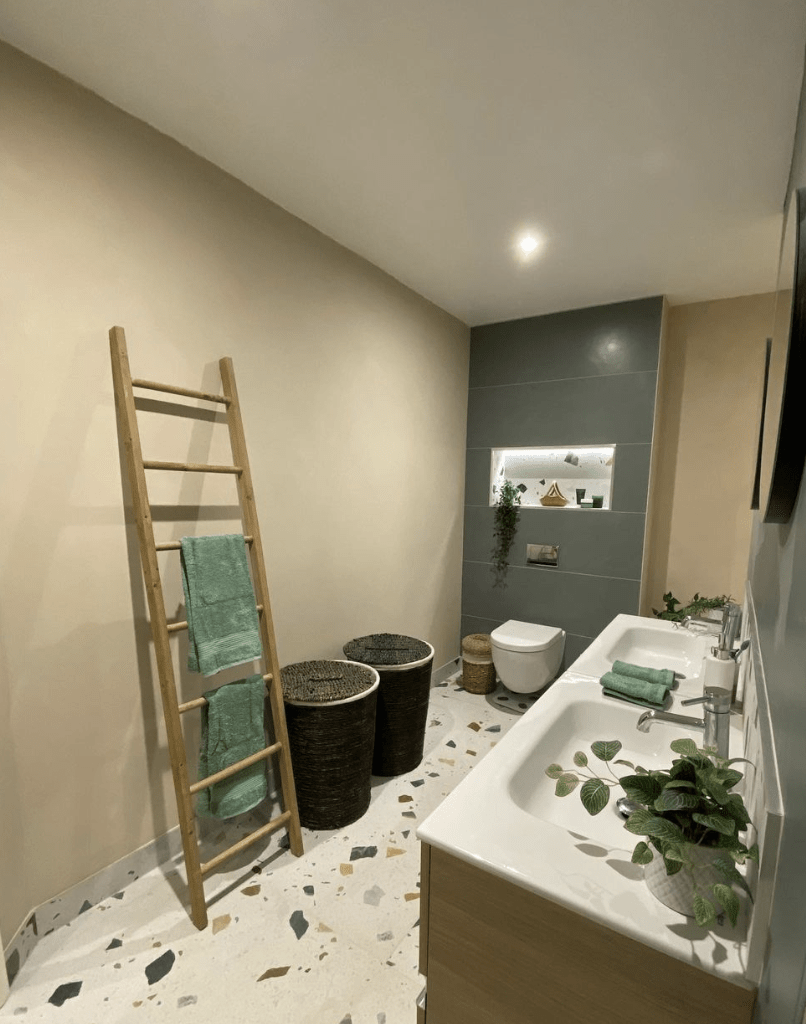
x=507 y=516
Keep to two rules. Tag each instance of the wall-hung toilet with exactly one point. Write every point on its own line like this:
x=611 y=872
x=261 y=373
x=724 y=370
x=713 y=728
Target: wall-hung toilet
x=527 y=656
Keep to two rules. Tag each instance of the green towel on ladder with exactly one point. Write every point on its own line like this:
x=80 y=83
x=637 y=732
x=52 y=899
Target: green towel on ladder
x=222 y=617
x=232 y=729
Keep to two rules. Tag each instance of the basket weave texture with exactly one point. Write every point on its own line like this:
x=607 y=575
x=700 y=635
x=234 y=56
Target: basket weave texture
x=478 y=671
x=324 y=681
x=331 y=745
x=386 y=649
x=402 y=698
x=480 y=645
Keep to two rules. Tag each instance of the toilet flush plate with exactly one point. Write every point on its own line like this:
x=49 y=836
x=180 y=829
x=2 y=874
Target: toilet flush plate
x=543 y=554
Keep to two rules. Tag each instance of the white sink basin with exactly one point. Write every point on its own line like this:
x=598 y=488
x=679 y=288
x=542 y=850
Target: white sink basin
x=571 y=725
x=504 y=816
x=653 y=643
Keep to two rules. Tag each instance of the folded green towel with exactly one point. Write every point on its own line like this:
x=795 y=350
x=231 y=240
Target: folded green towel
x=637 y=691
x=663 y=676
x=232 y=729
x=220 y=601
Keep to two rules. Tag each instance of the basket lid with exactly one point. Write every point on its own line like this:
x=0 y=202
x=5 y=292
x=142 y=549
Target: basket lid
x=323 y=682
x=525 y=636
x=381 y=649
x=477 y=644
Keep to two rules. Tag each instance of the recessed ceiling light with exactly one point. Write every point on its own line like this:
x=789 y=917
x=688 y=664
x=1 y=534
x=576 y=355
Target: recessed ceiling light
x=527 y=244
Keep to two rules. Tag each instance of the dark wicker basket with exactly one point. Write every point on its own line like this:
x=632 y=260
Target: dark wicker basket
x=330 y=713
x=404 y=666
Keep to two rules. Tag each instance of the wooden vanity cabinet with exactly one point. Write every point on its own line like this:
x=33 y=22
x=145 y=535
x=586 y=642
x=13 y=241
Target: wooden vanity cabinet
x=494 y=953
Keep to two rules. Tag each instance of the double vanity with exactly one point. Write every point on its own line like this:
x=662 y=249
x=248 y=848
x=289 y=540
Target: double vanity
x=532 y=909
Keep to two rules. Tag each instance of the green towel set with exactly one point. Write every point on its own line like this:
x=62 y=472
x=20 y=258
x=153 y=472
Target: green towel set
x=648 y=687
x=222 y=618
x=232 y=729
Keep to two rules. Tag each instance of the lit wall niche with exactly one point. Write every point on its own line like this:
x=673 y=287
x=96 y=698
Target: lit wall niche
x=579 y=475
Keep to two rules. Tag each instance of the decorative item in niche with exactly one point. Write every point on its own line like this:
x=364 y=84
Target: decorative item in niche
x=536 y=472
x=554 y=496
x=783 y=447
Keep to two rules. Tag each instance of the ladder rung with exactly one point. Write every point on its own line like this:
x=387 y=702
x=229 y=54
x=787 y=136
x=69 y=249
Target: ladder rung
x=176 y=545
x=173 y=390
x=177 y=627
x=246 y=841
x=199 y=702
x=261 y=755
x=191 y=467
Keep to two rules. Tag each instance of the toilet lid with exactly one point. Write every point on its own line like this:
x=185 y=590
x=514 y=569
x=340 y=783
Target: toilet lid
x=525 y=636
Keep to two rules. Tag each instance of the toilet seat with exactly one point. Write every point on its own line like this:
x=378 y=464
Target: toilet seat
x=525 y=637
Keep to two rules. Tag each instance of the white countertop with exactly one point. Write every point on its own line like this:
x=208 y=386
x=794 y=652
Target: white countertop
x=480 y=824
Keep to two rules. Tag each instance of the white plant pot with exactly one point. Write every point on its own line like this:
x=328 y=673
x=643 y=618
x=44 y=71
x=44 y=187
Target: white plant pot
x=677 y=891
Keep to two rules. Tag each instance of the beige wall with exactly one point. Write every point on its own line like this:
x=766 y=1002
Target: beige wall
x=354 y=392
x=706 y=440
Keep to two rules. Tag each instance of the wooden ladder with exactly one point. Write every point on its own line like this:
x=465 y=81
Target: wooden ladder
x=162 y=629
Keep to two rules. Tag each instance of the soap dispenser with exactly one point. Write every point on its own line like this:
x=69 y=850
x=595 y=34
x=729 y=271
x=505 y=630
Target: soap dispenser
x=719 y=667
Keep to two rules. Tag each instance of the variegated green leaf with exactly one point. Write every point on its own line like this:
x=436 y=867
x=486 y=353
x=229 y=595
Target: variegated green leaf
x=734 y=806
x=683 y=746
x=728 y=870
x=554 y=771
x=641 y=788
x=704 y=912
x=566 y=784
x=715 y=788
x=672 y=866
x=675 y=800
x=726 y=826
x=728 y=900
x=642 y=854
x=663 y=829
x=594 y=795
x=638 y=822
x=606 y=750
x=729 y=777
x=580 y=759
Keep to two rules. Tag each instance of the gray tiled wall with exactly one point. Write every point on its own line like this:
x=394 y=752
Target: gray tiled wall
x=583 y=377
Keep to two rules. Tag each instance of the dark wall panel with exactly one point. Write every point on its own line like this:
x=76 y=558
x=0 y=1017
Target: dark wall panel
x=575 y=378
x=618 y=338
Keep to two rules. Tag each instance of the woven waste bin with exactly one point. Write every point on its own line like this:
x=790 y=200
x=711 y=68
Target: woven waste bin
x=478 y=671
x=404 y=666
x=330 y=713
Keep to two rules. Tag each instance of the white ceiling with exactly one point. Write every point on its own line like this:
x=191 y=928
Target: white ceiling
x=646 y=141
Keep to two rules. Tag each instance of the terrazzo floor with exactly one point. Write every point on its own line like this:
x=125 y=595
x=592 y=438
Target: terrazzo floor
x=328 y=938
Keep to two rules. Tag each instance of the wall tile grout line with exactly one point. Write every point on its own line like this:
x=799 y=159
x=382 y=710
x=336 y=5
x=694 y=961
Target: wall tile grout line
x=543 y=508
x=563 y=572
x=616 y=444
x=488 y=618
x=560 y=380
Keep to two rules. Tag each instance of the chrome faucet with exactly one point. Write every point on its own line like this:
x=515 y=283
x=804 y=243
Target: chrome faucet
x=715 y=723
x=727 y=630
x=712 y=625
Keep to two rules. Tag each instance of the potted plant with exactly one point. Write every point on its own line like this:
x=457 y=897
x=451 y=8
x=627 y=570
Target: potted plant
x=697 y=606
x=507 y=516
x=689 y=818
